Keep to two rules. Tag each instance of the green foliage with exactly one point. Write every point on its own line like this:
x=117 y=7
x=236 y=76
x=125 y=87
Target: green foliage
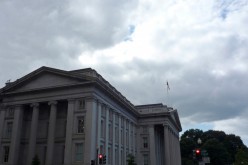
x=130 y=159
x=221 y=147
x=36 y=160
x=241 y=158
x=217 y=152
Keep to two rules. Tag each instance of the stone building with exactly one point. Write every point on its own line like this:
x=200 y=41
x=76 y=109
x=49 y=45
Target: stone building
x=69 y=117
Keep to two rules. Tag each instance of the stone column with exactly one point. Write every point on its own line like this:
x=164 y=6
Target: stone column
x=129 y=137
x=178 y=151
x=2 y=116
x=90 y=131
x=166 y=145
x=107 y=133
x=99 y=118
x=120 y=145
x=69 y=127
x=16 y=135
x=125 y=140
x=134 y=139
x=33 y=132
x=152 y=144
x=51 y=132
x=113 y=138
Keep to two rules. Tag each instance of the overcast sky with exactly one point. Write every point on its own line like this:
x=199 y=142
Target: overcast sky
x=199 y=46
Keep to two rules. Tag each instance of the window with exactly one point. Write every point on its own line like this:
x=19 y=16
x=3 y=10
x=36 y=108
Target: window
x=10 y=112
x=6 y=154
x=145 y=142
x=116 y=134
x=9 y=129
x=146 y=159
x=80 y=125
x=79 y=152
x=110 y=131
x=145 y=130
x=81 y=104
x=102 y=129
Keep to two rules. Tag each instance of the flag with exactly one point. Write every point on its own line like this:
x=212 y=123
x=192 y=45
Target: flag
x=168 y=87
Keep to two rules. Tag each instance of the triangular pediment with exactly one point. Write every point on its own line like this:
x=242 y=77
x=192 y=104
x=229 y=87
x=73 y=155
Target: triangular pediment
x=45 y=79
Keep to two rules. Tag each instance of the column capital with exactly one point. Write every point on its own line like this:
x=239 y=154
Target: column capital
x=34 y=105
x=71 y=100
x=52 y=102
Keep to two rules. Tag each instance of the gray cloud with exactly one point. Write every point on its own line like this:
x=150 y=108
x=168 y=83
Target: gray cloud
x=200 y=47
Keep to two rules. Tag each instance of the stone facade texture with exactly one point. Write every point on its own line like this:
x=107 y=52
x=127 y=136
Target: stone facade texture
x=70 y=117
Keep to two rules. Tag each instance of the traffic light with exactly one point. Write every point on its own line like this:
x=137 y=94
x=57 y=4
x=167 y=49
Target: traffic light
x=92 y=162
x=198 y=154
x=100 y=158
x=104 y=159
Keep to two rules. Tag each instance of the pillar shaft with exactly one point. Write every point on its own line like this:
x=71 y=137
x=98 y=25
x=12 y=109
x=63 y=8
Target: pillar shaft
x=33 y=132
x=51 y=133
x=16 y=135
x=69 y=127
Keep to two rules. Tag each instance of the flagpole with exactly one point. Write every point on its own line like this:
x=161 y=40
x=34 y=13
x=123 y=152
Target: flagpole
x=168 y=88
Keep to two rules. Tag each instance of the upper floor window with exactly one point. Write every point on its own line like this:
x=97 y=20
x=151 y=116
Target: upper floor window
x=79 y=152
x=145 y=142
x=10 y=112
x=82 y=104
x=9 y=129
x=80 y=126
x=145 y=129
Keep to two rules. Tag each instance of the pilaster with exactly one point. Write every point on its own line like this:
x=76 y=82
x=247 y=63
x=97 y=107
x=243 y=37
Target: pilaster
x=16 y=135
x=69 y=127
x=51 y=132
x=33 y=132
x=152 y=144
x=166 y=145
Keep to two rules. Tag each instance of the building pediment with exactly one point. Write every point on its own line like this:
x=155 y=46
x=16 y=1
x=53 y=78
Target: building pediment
x=44 y=78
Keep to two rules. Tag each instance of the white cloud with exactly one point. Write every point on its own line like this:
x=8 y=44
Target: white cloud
x=199 y=46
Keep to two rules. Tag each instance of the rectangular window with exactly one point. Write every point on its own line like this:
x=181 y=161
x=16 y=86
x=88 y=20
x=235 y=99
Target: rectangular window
x=116 y=134
x=146 y=161
x=145 y=142
x=82 y=104
x=79 y=152
x=80 y=125
x=10 y=112
x=122 y=139
x=102 y=129
x=6 y=154
x=145 y=130
x=9 y=129
x=110 y=132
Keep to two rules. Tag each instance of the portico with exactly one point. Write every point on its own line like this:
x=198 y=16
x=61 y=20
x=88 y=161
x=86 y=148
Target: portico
x=69 y=117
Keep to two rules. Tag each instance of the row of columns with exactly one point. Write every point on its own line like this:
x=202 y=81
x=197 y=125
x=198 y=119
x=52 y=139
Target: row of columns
x=172 y=155
x=16 y=133
x=122 y=148
x=172 y=147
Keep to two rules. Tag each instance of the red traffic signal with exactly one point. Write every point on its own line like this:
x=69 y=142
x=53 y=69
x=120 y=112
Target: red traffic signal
x=100 y=157
x=198 y=151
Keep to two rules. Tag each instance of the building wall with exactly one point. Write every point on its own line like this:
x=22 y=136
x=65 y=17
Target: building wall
x=72 y=125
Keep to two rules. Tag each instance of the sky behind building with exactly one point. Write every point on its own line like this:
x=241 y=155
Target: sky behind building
x=198 y=46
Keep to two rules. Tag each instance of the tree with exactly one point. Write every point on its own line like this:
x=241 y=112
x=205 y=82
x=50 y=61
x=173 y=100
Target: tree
x=221 y=147
x=217 y=152
x=241 y=158
x=130 y=159
x=36 y=160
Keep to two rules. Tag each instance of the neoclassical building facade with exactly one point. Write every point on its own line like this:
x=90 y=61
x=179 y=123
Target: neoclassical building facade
x=70 y=117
